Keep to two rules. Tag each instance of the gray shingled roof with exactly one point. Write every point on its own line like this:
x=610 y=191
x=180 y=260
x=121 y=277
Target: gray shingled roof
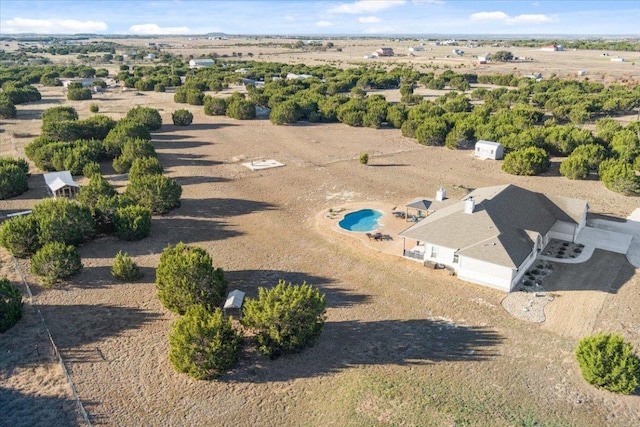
x=502 y=227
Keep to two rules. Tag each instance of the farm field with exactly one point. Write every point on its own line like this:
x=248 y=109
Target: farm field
x=403 y=345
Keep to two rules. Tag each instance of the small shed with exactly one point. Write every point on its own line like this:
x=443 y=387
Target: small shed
x=234 y=301
x=61 y=184
x=489 y=150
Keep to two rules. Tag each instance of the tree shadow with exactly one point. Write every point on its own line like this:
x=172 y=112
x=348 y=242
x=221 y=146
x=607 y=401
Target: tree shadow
x=168 y=137
x=249 y=281
x=221 y=207
x=169 y=160
x=353 y=343
x=76 y=325
x=168 y=127
x=176 y=144
x=19 y=409
x=387 y=165
x=100 y=277
x=193 y=180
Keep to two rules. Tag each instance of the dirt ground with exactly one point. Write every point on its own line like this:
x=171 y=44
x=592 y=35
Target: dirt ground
x=403 y=345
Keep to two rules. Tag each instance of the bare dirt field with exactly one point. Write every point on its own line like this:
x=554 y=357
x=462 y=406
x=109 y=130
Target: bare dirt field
x=403 y=345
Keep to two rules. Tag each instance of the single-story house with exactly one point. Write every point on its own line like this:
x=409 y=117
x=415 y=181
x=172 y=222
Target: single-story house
x=488 y=150
x=61 y=184
x=416 y=49
x=201 y=63
x=385 y=51
x=85 y=82
x=294 y=76
x=493 y=235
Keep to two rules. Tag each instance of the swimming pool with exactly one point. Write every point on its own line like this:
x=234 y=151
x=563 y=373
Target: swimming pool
x=362 y=220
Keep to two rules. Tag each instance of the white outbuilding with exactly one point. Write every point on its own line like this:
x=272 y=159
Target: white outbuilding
x=489 y=150
x=61 y=184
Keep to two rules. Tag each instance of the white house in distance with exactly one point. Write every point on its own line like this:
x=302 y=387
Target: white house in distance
x=201 y=63
x=488 y=150
x=493 y=235
x=61 y=184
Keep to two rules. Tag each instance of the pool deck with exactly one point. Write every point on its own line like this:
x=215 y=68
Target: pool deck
x=389 y=225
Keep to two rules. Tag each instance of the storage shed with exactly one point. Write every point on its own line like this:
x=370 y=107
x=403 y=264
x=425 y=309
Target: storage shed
x=489 y=150
x=61 y=184
x=234 y=302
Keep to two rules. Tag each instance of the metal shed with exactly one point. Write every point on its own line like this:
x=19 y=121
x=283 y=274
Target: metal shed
x=489 y=150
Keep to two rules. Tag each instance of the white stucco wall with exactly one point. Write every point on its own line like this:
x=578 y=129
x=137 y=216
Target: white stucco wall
x=484 y=273
x=445 y=255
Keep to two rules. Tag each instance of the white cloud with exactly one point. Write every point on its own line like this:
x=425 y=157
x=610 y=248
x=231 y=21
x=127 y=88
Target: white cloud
x=503 y=18
x=289 y=18
x=368 y=20
x=51 y=26
x=156 y=29
x=366 y=6
x=532 y=19
x=324 y=24
x=428 y=1
x=488 y=16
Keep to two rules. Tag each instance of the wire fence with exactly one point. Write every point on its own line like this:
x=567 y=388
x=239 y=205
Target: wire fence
x=76 y=397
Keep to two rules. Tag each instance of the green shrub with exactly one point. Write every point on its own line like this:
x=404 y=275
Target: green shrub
x=63 y=220
x=98 y=186
x=59 y=114
x=104 y=211
x=124 y=130
x=186 y=276
x=149 y=117
x=10 y=305
x=13 y=180
x=609 y=362
x=124 y=268
x=203 y=344
x=214 y=106
x=241 y=109
x=145 y=166
x=94 y=108
x=364 y=158
x=156 y=192
x=182 y=117
x=7 y=109
x=575 y=167
x=78 y=94
x=287 y=318
x=131 y=150
x=620 y=177
x=55 y=262
x=132 y=222
x=528 y=161
x=19 y=235
x=90 y=169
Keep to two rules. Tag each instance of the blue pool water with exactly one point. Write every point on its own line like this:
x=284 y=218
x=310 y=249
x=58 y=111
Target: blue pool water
x=362 y=220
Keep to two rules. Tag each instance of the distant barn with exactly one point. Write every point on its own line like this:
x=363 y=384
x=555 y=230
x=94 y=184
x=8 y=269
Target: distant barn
x=201 y=63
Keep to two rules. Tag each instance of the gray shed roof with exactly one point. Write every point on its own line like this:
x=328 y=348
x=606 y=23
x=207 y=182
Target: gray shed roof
x=502 y=227
x=234 y=299
x=58 y=180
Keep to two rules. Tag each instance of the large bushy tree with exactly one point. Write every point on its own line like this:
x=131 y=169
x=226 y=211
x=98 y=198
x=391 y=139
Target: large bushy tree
x=10 y=305
x=203 y=344
x=132 y=222
x=19 y=235
x=156 y=192
x=13 y=179
x=63 y=220
x=55 y=262
x=186 y=276
x=528 y=161
x=149 y=117
x=287 y=318
x=608 y=361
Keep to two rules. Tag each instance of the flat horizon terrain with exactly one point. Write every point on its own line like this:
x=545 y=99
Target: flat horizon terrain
x=403 y=345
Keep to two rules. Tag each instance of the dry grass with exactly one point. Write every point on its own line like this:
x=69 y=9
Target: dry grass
x=403 y=345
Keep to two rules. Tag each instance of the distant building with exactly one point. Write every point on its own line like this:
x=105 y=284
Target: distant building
x=84 y=82
x=385 y=51
x=488 y=150
x=201 y=63
x=552 y=48
x=61 y=184
x=619 y=59
x=416 y=49
x=293 y=76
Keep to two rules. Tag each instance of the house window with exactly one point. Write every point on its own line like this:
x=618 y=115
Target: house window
x=434 y=252
x=456 y=258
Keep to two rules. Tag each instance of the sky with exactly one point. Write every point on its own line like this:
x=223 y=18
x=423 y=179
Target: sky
x=310 y=17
